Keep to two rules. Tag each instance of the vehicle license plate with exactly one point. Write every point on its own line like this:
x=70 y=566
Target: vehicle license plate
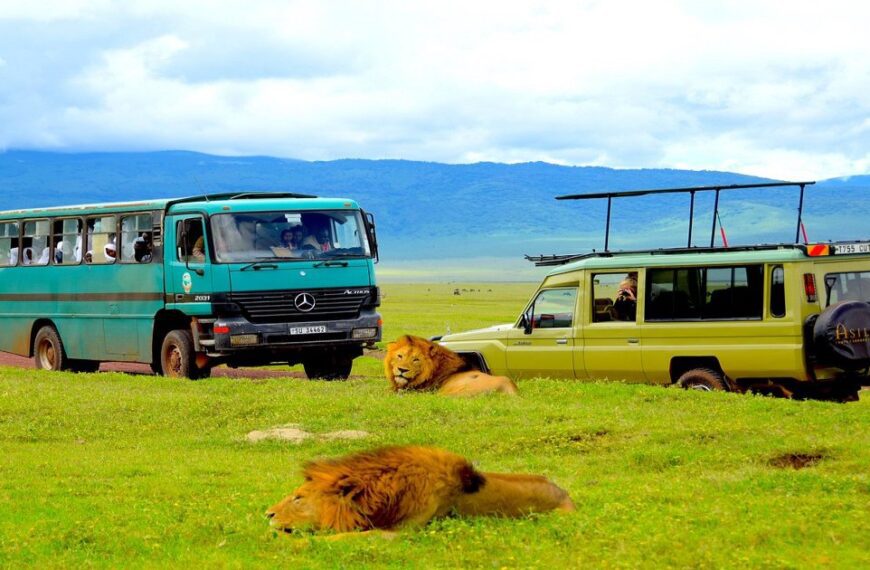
x=308 y=330
x=857 y=247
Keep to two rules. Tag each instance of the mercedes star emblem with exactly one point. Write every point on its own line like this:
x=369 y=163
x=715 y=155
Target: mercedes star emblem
x=304 y=302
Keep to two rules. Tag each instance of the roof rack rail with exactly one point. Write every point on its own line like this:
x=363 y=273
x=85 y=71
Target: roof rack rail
x=551 y=260
x=692 y=190
x=236 y=196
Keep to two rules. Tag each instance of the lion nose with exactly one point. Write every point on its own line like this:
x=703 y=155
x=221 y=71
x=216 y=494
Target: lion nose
x=402 y=370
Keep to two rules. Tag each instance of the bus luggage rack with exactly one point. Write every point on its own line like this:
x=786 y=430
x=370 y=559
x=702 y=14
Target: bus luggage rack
x=279 y=307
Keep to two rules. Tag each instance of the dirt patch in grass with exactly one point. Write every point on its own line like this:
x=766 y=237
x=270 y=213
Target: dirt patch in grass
x=796 y=460
x=295 y=434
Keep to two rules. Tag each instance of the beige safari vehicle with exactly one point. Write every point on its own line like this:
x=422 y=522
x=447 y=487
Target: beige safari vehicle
x=791 y=320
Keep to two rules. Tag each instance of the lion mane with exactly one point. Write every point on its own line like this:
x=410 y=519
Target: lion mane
x=414 y=363
x=406 y=486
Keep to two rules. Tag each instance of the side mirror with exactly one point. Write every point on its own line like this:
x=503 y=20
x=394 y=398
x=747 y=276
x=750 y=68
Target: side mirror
x=526 y=322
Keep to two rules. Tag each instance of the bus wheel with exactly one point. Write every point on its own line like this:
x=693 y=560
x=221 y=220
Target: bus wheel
x=177 y=358
x=334 y=366
x=48 y=353
x=702 y=379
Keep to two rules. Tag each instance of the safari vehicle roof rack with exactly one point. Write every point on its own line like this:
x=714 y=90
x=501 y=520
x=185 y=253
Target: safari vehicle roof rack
x=561 y=259
x=236 y=196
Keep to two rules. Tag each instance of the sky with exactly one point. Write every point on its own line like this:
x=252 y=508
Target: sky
x=779 y=89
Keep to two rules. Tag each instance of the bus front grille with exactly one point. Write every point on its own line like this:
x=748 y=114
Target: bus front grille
x=280 y=306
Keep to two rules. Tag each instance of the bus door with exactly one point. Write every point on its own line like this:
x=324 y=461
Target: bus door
x=544 y=344
x=188 y=270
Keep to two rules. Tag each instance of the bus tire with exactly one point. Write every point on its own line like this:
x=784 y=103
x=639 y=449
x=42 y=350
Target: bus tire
x=48 y=352
x=83 y=365
x=702 y=379
x=334 y=366
x=177 y=357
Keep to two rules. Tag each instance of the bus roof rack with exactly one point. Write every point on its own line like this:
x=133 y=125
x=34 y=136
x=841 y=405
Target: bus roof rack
x=552 y=260
x=692 y=190
x=237 y=196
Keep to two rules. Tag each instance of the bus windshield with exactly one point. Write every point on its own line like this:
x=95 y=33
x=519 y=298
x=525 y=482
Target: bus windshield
x=289 y=235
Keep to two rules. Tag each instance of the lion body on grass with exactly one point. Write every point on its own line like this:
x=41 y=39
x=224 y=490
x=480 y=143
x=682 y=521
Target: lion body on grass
x=414 y=363
x=394 y=487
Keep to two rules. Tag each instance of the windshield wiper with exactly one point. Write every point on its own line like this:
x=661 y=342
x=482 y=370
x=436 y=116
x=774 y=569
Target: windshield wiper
x=331 y=263
x=256 y=265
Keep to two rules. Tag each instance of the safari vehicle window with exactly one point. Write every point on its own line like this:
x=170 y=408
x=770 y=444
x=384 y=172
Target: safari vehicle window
x=288 y=236
x=614 y=297
x=848 y=286
x=552 y=309
x=699 y=293
x=777 y=291
x=8 y=244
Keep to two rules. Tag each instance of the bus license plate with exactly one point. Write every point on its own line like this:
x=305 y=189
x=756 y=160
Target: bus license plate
x=844 y=248
x=308 y=330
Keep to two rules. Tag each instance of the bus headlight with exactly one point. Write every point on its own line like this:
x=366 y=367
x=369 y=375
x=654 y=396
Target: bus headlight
x=365 y=333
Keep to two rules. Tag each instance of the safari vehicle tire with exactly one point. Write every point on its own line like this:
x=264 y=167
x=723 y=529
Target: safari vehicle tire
x=334 y=366
x=48 y=352
x=702 y=379
x=177 y=356
x=840 y=338
x=83 y=365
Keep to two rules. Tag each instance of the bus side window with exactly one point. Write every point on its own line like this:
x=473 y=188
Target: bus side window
x=190 y=241
x=136 y=238
x=35 y=242
x=101 y=248
x=8 y=244
x=67 y=241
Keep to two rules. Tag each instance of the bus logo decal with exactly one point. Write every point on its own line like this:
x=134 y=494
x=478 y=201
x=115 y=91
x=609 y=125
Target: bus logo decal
x=304 y=302
x=186 y=282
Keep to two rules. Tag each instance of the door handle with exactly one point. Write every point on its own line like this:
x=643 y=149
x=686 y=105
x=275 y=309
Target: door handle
x=561 y=341
x=633 y=341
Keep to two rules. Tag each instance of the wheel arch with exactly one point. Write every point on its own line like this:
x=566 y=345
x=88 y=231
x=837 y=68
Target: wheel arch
x=38 y=324
x=165 y=321
x=682 y=364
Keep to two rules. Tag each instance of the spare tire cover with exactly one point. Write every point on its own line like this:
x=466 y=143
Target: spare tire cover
x=841 y=335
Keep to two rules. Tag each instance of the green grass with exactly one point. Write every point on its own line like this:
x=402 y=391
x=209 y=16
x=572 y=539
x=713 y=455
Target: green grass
x=138 y=471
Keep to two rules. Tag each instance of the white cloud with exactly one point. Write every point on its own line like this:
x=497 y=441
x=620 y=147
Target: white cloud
x=745 y=86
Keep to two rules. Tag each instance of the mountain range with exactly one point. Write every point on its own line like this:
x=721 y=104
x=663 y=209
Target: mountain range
x=434 y=211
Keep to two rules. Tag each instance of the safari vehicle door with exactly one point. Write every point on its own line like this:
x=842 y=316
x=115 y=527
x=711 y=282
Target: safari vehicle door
x=542 y=343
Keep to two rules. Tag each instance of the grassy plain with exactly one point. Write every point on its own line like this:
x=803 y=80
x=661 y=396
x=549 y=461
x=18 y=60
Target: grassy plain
x=138 y=471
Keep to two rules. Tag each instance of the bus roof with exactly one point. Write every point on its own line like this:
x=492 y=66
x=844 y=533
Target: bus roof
x=210 y=204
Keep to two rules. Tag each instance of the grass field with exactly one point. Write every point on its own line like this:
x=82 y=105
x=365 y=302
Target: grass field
x=139 y=471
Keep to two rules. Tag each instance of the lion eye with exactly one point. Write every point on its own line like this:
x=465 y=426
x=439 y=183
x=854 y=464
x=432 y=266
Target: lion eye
x=416 y=360
x=297 y=498
x=399 y=356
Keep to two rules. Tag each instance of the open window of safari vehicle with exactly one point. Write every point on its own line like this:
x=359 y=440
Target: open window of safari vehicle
x=786 y=319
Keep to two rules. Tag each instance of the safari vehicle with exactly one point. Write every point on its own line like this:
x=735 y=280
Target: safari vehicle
x=186 y=284
x=788 y=319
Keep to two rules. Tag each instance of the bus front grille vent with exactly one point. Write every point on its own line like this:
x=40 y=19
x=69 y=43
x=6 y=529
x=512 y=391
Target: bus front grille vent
x=280 y=307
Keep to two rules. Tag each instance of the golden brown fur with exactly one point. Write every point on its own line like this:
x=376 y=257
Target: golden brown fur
x=397 y=487
x=414 y=363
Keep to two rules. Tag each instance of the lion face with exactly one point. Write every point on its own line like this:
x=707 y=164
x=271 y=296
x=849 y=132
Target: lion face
x=297 y=511
x=409 y=365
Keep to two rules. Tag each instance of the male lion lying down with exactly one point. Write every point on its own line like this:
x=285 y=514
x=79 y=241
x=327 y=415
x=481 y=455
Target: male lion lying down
x=414 y=363
x=394 y=487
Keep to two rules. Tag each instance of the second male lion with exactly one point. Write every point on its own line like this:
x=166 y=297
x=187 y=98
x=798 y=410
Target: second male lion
x=414 y=363
x=407 y=486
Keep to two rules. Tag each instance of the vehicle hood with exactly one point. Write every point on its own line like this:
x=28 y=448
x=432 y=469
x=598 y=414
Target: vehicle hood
x=493 y=332
x=299 y=275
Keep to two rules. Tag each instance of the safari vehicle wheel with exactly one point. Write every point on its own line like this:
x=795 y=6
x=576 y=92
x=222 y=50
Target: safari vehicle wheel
x=702 y=379
x=48 y=353
x=328 y=366
x=177 y=356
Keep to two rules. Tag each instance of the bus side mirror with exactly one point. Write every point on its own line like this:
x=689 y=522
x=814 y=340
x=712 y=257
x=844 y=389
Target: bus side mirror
x=369 y=222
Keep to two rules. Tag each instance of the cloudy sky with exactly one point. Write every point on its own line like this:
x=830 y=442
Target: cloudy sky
x=778 y=89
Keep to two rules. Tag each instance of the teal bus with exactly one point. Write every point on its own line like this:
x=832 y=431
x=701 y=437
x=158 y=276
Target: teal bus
x=243 y=279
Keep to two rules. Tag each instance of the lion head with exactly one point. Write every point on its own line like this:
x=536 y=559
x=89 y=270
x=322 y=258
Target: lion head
x=414 y=363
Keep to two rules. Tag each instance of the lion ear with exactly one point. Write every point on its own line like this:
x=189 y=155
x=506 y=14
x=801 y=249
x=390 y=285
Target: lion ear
x=348 y=487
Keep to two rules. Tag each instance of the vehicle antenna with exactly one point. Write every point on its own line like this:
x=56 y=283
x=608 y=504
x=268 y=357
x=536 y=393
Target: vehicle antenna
x=722 y=230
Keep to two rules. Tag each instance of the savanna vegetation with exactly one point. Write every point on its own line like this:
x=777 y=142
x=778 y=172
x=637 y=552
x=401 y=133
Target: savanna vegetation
x=123 y=470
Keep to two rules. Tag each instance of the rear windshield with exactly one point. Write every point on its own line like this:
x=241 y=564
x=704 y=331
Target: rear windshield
x=288 y=236
x=854 y=286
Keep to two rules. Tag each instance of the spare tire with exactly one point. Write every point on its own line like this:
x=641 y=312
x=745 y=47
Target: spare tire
x=841 y=335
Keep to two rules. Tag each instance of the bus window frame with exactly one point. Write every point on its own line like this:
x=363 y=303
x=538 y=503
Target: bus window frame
x=17 y=221
x=21 y=239
x=119 y=221
x=51 y=257
x=87 y=234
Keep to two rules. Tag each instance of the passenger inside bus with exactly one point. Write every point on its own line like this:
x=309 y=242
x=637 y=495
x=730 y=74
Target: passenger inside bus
x=142 y=249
